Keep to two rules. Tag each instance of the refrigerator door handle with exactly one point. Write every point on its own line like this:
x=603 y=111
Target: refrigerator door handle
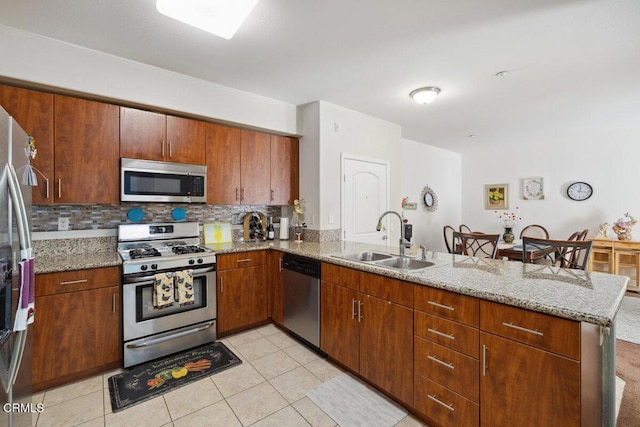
x=26 y=250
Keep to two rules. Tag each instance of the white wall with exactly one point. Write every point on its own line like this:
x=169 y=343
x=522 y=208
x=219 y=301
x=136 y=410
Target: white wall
x=36 y=59
x=440 y=169
x=600 y=154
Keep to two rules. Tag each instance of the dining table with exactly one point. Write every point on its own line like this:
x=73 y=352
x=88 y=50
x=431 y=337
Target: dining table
x=513 y=252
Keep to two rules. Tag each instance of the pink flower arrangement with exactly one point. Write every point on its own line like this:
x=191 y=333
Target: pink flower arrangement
x=509 y=219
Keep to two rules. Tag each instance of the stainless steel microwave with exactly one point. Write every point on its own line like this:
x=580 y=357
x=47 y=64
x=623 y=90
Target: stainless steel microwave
x=152 y=181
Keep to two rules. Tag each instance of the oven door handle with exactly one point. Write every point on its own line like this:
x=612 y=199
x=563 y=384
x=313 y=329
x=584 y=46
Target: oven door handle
x=150 y=278
x=173 y=336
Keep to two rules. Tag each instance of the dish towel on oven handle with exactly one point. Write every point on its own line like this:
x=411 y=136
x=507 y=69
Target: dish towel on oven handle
x=26 y=303
x=163 y=290
x=184 y=283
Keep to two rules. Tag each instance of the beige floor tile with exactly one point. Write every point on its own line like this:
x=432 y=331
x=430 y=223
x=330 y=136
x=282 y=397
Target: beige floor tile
x=73 y=412
x=256 y=349
x=98 y=422
x=71 y=391
x=191 y=397
x=268 y=330
x=410 y=421
x=38 y=397
x=323 y=369
x=313 y=414
x=216 y=415
x=107 y=402
x=237 y=379
x=285 y=417
x=294 y=384
x=152 y=413
x=256 y=403
x=242 y=338
x=301 y=354
x=282 y=340
x=274 y=364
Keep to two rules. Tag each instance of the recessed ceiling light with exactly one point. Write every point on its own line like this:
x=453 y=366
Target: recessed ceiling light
x=219 y=17
x=501 y=73
x=425 y=95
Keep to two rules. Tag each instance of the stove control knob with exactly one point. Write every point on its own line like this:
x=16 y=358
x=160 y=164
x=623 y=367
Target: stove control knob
x=143 y=267
x=154 y=266
x=191 y=261
x=200 y=261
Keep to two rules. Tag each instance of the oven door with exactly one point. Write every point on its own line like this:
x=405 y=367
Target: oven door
x=141 y=318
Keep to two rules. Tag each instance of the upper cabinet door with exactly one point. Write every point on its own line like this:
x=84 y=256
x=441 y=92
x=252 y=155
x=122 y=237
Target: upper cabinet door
x=223 y=165
x=86 y=151
x=284 y=170
x=142 y=134
x=33 y=111
x=255 y=168
x=186 y=141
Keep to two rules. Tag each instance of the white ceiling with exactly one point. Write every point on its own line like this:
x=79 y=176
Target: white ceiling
x=571 y=63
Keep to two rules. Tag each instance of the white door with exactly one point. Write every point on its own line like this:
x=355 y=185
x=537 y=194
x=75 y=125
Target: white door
x=364 y=198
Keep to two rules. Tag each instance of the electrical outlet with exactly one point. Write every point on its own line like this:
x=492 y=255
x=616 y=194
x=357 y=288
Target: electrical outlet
x=63 y=224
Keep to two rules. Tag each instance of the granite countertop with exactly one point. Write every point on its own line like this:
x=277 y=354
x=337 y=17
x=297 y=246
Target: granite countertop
x=591 y=297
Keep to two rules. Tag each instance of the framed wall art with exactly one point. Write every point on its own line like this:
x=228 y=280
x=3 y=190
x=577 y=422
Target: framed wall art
x=496 y=196
x=532 y=188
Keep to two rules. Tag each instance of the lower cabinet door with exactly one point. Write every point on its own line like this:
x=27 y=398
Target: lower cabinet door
x=242 y=298
x=339 y=326
x=523 y=386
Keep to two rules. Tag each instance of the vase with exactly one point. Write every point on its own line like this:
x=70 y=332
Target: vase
x=508 y=235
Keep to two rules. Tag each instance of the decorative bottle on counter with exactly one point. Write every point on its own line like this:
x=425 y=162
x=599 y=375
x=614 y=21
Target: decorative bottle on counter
x=271 y=232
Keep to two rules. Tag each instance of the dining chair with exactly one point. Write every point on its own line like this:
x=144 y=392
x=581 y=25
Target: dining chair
x=560 y=253
x=534 y=230
x=464 y=229
x=574 y=235
x=476 y=244
x=583 y=234
x=448 y=237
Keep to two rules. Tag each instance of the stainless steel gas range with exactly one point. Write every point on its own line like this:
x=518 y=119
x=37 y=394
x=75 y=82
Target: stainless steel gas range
x=168 y=290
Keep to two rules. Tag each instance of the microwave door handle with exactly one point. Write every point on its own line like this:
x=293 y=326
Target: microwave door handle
x=24 y=235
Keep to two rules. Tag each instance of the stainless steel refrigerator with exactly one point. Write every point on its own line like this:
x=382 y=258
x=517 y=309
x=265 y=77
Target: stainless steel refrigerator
x=16 y=274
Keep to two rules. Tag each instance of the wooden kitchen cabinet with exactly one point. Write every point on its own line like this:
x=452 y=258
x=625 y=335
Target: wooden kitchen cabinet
x=276 y=293
x=155 y=136
x=285 y=161
x=241 y=291
x=86 y=153
x=33 y=110
x=528 y=357
x=77 y=331
x=367 y=332
x=248 y=167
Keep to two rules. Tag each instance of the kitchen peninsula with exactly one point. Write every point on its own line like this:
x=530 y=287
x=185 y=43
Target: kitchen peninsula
x=466 y=341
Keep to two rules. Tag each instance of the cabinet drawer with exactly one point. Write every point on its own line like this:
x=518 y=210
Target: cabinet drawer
x=444 y=407
x=77 y=280
x=447 y=333
x=448 y=368
x=343 y=276
x=452 y=306
x=240 y=260
x=557 y=335
x=388 y=289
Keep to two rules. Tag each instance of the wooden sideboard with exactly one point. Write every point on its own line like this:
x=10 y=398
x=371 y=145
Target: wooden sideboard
x=617 y=257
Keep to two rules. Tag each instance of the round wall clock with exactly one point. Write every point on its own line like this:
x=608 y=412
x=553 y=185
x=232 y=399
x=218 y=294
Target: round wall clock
x=579 y=191
x=429 y=199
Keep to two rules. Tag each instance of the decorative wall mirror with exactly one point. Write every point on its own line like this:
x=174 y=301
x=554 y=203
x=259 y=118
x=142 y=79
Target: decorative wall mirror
x=430 y=199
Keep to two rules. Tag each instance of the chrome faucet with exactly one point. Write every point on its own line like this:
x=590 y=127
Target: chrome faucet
x=379 y=227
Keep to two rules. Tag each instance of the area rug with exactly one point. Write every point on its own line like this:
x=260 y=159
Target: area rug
x=628 y=368
x=151 y=379
x=628 y=320
x=351 y=403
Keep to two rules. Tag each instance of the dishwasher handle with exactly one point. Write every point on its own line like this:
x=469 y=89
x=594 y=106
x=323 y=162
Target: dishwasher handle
x=307 y=266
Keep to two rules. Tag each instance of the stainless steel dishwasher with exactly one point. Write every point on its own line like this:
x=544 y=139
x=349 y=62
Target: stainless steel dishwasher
x=301 y=297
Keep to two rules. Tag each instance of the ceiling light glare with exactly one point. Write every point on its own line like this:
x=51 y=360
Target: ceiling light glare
x=219 y=17
x=425 y=95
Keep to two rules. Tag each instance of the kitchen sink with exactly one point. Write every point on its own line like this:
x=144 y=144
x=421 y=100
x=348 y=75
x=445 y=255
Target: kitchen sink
x=367 y=256
x=404 y=263
x=387 y=260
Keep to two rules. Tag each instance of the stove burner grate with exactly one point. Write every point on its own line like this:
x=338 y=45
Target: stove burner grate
x=187 y=249
x=146 y=252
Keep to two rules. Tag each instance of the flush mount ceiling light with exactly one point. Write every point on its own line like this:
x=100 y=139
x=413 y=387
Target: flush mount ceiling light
x=425 y=95
x=219 y=17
